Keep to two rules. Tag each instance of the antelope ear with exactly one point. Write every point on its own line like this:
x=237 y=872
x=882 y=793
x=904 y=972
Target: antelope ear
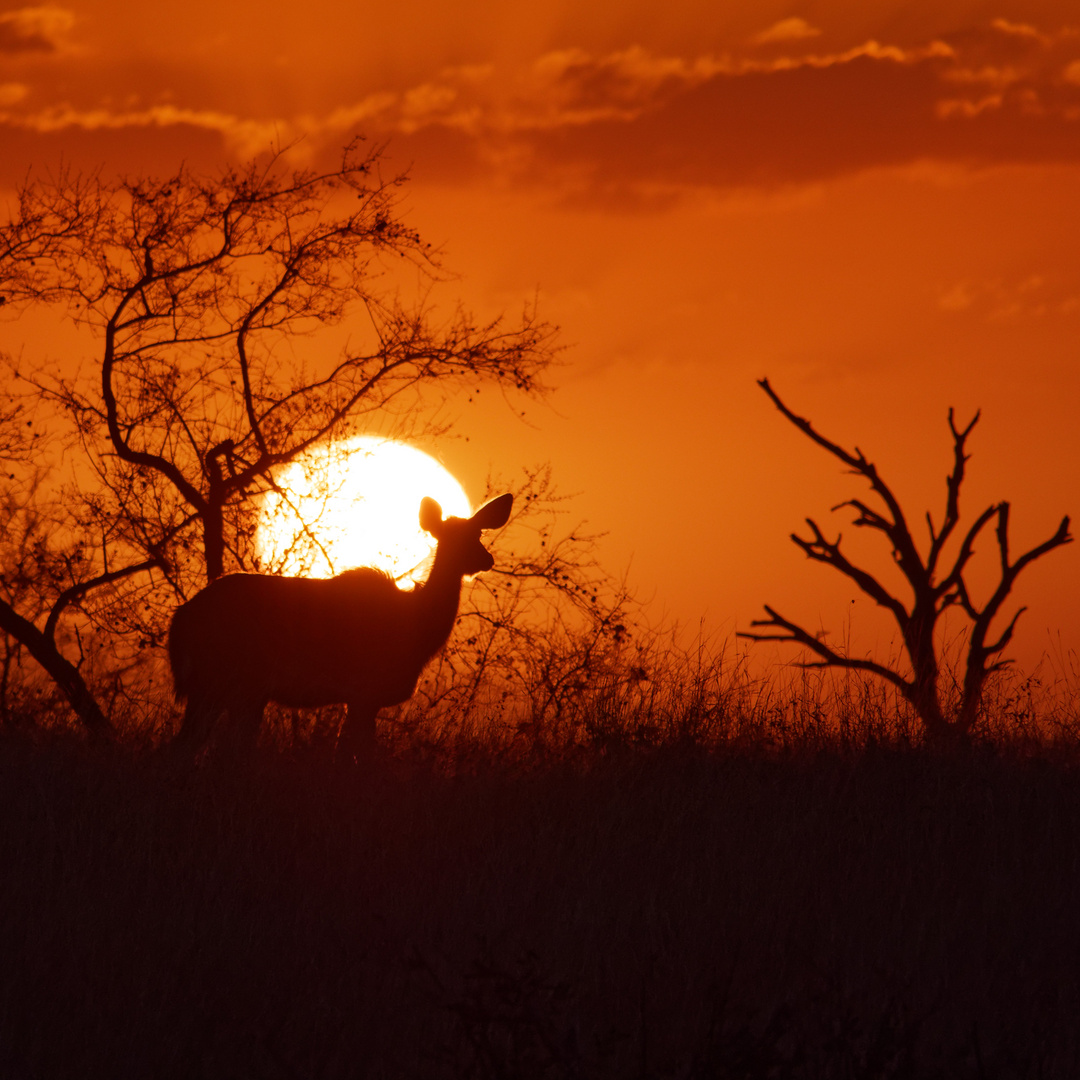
x=430 y=516
x=495 y=514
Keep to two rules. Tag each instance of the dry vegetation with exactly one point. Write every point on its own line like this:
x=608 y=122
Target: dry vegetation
x=691 y=874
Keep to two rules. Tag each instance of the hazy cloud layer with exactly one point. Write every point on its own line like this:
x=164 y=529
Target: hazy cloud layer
x=780 y=110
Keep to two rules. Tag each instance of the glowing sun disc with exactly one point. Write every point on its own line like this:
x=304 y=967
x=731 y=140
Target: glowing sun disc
x=355 y=502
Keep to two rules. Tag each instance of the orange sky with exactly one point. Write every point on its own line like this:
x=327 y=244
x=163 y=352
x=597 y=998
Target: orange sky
x=876 y=205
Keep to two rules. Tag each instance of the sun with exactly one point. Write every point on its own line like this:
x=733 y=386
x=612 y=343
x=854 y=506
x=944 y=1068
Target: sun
x=355 y=502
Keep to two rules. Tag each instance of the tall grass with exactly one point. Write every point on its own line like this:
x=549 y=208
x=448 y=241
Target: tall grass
x=662 y=692
x=688 y=871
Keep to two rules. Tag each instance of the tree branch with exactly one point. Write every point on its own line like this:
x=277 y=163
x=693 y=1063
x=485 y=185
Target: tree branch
x=897 y=530
x=821 y=550
x=795 y=633
x=66 y=676
x=952 y=500
x=76 y=592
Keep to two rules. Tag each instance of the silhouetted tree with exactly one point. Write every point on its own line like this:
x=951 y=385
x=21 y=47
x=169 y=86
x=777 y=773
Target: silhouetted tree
x=197 y=290
x=935 y=585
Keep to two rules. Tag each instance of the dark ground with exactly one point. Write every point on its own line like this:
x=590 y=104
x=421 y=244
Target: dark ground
x=671 y=914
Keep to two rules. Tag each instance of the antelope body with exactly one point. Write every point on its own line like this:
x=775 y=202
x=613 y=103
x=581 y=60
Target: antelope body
x=249 y=639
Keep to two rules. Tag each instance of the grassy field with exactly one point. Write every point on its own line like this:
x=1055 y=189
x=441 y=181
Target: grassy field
x=663 y=912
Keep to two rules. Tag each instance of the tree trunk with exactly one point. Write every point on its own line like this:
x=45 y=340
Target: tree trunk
x=214 y=543
x=974 y=681
x=213 y=517
x=66 y=676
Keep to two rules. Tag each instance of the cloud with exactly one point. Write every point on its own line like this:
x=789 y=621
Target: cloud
x=632 y=126
x=242 y=137
x=571 y=88
x=12 y=94
x=990 y=95
x=761 y=125
x=958 y=297
x=615 y=125
x=1020 y=30
x=965 y=107
x=1008 y=300
x=793 y=29
x=34 y=29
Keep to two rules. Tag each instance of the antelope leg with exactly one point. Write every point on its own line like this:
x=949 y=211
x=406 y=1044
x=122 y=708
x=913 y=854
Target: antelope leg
x=357 y=739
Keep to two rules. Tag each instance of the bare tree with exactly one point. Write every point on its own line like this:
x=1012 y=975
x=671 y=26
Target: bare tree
x=197 y=291
x=936 y=585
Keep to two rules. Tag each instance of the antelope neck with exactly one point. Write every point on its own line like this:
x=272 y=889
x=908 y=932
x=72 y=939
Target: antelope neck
x=438 y=602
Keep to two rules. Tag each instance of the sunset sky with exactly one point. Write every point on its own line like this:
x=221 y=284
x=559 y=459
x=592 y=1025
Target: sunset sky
x=876 y=205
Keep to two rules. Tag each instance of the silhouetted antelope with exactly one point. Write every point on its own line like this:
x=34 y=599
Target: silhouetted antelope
x=248 y=639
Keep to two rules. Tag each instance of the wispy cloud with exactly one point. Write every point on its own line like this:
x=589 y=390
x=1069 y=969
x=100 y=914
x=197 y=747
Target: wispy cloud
x=792 y=29
x=1021 y=30
x=243 y=137
x=34 y=29
x=1007 y=300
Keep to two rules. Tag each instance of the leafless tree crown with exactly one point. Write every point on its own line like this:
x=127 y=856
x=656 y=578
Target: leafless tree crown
x=199 y=289
x=936 y=583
